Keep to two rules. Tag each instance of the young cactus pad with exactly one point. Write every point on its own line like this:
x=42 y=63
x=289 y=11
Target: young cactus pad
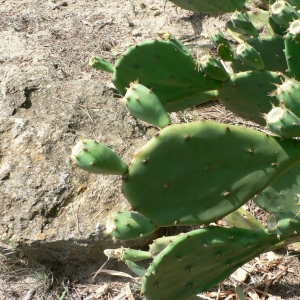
x=201 y=171
x=128 y=225
x=241 y=22
x=292 y=49
x=100 y=63
x=97 y=158
x=247 y=94
x=144 y=105
x=288 y=94
x=283 y=122
x=213 y=68
x=200 y=259
x=283 y=13
x=224 y=49
x=127 y=254
x=249 y=56
x=274 y=60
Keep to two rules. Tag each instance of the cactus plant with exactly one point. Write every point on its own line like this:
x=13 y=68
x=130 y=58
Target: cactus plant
x=197 y=173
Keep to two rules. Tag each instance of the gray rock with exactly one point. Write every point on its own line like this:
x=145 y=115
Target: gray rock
x=52 y=211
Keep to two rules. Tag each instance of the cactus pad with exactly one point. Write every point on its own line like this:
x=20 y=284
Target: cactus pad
x=288 y=94
x=170 y=73
x=100 y=63
x=249 y=56
x=292 y=49
x=242 y=23
x=144 y=105
x=247 y=94
x=283 y=13
x=200 y=259
x=128 y=225
x=127 y=254
x=213 y=68
x=210 y=167
x=274 y=60
x=283 y=122
x=97 y=158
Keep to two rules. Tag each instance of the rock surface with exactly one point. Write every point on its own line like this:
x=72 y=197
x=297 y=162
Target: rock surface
x=54 y=211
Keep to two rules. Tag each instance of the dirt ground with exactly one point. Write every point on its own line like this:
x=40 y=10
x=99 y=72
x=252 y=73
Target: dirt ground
x=58 y=37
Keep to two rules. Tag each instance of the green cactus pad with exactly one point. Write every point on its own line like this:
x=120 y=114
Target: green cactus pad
x=171 y=74
x=274 y=60
x=143 y=104
x=160 y=244
x=292 y=49
x=284 y=224
x=200 y=259
x=210 y=167
x=100 y=63
x=167 y=36
x=97 y=158
x=152 y=64
x=128 y=225
x=213 y=68
x=283 y=194
x=295 y=3
x=242 y=23
x=249 y=56
x=207 y=6
x=294 y=30
x=283 y=122
x=247 y=94
x=224 y=49
x=283 y=13
x=282 y=200
x=242 y=219
x=288 y=94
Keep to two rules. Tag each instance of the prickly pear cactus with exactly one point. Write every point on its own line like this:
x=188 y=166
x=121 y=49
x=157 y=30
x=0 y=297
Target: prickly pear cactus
x=283 y=122
x=197 y=173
